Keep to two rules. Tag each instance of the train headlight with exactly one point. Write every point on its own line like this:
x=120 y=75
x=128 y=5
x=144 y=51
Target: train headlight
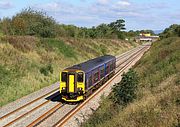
x=63 y=88
x=80 y=89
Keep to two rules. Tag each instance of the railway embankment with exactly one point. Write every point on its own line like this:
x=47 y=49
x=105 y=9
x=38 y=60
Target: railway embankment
x=29 y=63
x=148 y=95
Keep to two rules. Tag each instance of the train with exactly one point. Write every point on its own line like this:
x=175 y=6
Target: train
x=79 y=81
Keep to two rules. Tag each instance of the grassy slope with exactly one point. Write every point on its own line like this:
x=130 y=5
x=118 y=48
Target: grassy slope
x=158 y=94
x=29 y=63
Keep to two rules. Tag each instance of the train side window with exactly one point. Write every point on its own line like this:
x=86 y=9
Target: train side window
x=80 y=77
x=90 y=81
x=107 y=67
x=111 y=67
x=95 y=77
x=64 y=77
x=102 y=73
x=114 y=64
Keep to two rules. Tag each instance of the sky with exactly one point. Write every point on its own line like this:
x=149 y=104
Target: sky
x=138 y=14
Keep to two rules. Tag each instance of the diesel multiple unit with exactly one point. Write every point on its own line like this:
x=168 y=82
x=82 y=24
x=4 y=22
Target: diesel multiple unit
x=78 y=82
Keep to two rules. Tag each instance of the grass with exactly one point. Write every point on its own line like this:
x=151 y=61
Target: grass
x=158 y=92
x=59 y=46
x=28 y=64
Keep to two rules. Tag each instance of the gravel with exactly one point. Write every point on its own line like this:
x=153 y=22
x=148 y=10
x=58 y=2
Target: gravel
x=24 y=100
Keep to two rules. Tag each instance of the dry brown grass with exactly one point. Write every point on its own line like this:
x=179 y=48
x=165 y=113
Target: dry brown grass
x=23 y=43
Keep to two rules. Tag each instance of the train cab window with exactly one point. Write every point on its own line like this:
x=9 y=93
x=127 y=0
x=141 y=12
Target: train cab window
x=63 y=76
x=90 y=80
x=80 y=77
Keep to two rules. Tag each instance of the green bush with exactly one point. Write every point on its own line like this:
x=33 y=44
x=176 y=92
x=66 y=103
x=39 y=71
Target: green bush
x=124 y=91
x=47 y=70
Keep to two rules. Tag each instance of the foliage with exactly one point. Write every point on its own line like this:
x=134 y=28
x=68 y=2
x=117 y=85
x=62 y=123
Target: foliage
x=172 y=31
x=112 y=30
x=165 y=61
x=124 y=91
x=59 y=46
x=106 y=112
x=29 y=22
x=47 y=70
x=6 y=26
x=37 y=23
x=117 y=26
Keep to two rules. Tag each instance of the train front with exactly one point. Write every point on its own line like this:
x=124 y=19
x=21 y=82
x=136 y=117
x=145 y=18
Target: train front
x=72 y=85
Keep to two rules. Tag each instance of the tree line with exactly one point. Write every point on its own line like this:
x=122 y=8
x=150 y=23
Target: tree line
x=37 y=23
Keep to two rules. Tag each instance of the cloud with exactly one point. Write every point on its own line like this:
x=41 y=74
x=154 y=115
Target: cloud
x=103 y=1
x=5 y=5
x=137 y=15
x=101 y=11
x=123 y=3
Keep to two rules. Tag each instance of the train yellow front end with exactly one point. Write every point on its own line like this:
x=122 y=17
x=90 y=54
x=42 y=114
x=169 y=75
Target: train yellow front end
x=72 y=85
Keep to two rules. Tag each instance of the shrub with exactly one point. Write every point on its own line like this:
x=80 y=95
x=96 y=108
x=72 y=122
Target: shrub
x=124 y=91
x=47 y=70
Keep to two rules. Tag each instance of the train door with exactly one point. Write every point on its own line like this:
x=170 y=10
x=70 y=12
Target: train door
x=71 y=83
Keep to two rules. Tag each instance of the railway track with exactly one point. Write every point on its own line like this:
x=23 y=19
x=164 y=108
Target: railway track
x=55 y=107
x=127 y=53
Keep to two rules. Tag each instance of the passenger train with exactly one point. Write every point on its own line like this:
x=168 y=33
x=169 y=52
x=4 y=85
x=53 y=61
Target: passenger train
x=79 y=81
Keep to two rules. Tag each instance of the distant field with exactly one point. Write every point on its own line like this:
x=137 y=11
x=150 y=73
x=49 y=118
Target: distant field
x=157 y=101
x=29 y=63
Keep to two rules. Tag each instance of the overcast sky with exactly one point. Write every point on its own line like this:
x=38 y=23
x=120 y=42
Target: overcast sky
x=138 y=14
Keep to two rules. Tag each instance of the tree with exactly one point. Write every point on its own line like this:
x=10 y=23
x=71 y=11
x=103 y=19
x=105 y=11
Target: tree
x=172 y=31
x=177 y=30
x=31 y=22
x=19 y=25
x=6 y=26
x=118 y=25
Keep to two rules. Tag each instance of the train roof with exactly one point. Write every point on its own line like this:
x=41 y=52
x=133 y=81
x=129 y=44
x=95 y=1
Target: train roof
x=93 y=63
